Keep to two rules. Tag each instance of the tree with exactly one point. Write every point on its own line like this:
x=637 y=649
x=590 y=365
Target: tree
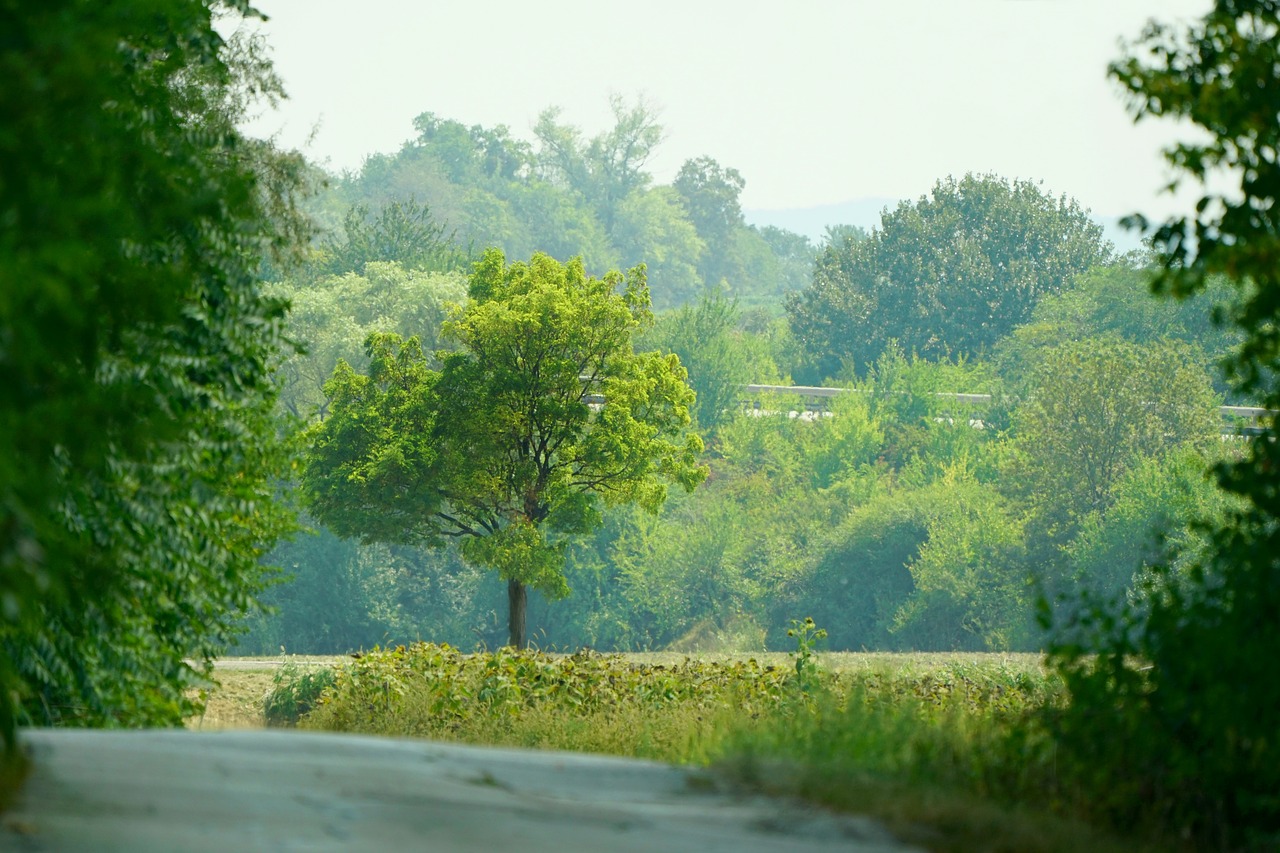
x=135 y=340
x=501 y=447
x=795 y=255
x=947 y=275
x=719 y=358
x=649 y=226
x=332 y=317
x=1158 y=512
x=1196 y=721
x=709 y=193
x=1097 y=408
x=468 y=153
x=1111 y=302
x=402 y=231
x=969 y=579
x=609 y=167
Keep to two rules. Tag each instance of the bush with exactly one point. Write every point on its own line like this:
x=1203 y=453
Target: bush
x=296 y=692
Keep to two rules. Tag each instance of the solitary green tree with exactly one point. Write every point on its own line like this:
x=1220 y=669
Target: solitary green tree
x=543 y=413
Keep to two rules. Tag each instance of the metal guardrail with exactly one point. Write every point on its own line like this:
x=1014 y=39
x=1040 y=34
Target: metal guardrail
x=1237 y=420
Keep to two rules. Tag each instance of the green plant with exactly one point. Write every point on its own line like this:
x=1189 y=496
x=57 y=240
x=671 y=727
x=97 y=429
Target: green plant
x=297 y=690
x=806 y=634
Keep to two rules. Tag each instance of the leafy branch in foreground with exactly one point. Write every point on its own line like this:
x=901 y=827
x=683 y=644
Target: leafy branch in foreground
x=1190 y=741
x=137 y=448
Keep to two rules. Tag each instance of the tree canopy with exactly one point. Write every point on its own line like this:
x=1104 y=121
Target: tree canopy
x=503 y=445
x=946 y=275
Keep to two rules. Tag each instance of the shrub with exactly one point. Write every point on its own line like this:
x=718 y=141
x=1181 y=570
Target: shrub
x=297 y=690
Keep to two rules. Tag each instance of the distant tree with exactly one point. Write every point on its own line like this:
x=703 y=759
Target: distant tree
x=836 y=235
x=472 y=153
x=710 y=195
x=137 y=448
x=1111 y=302
x=947 y=275
x=561 y=225
x=402 y=231
x=651 y=228
x=608 y=167
x=332 y=316
x=795 y=254
x=1095 y=409
x=501 y=447
x=719 y=362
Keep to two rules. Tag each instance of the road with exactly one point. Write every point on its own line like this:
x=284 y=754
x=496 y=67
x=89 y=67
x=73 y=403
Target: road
x=173 y=791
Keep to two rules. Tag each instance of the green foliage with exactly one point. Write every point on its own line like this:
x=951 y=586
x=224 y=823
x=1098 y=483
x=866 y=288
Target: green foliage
x=709 y=194
x=947 y=275
x=331 y=317
x=296 y=690
x=719 y=356
x=606 y=169
x=337 y=596
x=402 y=231
x=1189 y=743
x=937 y=751
x=970 y=580
x=530 y=698
x=1112 y=302
x=567 y=196
x=649 y=227
x=926 y=427
x=136 y=344
x=501 y=447
x=1099 y=408
x=859 y=578
x=1160 y=510
x=939 y=567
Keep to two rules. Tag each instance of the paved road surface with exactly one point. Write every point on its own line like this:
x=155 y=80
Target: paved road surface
x=281 y=791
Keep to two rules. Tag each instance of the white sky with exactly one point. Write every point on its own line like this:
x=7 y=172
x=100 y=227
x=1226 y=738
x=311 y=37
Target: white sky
x=813 y=101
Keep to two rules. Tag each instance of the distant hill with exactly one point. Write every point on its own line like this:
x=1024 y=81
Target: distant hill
x=865 y=213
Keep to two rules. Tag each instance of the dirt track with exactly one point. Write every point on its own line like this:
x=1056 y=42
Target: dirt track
x=272 y=790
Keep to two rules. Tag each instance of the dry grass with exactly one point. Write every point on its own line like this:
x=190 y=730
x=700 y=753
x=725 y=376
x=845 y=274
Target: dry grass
x=235 y=702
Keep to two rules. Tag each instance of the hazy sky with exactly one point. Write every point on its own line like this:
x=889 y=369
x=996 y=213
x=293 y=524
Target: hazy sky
x=813 y=101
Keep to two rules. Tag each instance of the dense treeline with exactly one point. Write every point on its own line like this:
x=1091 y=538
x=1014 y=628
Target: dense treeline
x=901 y=521
x=569 y=196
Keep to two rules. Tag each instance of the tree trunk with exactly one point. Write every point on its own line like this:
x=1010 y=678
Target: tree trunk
x=518 y=597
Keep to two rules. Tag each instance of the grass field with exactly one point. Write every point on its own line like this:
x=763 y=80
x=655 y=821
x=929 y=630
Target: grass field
x=235 y=702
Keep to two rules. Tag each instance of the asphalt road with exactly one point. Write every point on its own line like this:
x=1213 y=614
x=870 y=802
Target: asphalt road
x=175 y=791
